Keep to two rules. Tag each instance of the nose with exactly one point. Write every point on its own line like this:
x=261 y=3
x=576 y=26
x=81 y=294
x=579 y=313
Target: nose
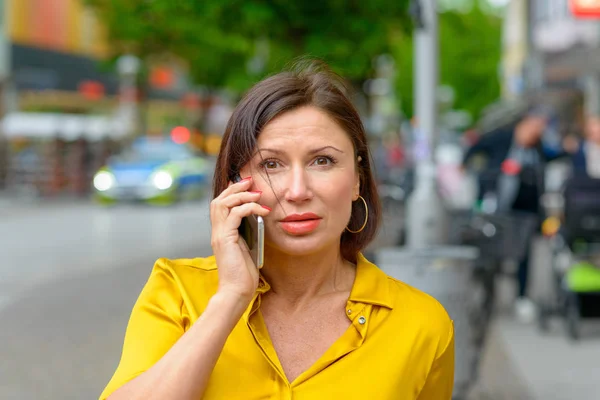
x=297 y=188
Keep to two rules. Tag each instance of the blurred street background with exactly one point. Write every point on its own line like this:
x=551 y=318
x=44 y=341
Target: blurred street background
x=112 y=112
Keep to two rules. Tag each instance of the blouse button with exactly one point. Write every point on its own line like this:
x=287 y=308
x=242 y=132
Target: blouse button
x=349 y=311
x=362 y=320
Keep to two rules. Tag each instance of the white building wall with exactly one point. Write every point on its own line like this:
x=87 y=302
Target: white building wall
x=514 y=48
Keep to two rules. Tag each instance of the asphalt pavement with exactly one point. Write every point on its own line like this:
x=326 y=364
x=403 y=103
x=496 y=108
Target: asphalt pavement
x=69 y=276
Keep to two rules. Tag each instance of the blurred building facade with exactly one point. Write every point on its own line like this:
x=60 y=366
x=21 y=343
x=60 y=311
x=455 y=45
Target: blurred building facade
x=58 y=52
x=551 y=56
x=61 y=94
x=549 y=47
x=54 y=47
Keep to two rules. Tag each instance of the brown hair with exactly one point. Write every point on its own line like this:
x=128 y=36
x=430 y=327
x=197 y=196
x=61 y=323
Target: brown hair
x=307 y=83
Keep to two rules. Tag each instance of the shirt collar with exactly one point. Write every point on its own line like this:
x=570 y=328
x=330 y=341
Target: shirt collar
x=371 y=284
x=263 y=287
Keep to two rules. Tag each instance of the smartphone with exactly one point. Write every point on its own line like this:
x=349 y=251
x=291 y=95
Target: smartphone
x=252 y=229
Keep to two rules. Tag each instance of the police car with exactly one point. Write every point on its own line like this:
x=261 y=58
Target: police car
x=155 y=171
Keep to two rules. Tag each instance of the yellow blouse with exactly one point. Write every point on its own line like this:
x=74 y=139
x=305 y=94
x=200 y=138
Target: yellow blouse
x=400 y=344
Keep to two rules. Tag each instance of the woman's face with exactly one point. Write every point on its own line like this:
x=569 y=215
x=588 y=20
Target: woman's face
x=307 y=175
x=530 y=131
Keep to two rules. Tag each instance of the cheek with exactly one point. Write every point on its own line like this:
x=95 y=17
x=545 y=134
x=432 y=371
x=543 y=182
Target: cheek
x=341 y=192
x=338 y=197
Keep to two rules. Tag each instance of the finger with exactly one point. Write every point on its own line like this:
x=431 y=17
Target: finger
x=237 y=213
x=236 y=187
x=221 y=210
x=238 y=199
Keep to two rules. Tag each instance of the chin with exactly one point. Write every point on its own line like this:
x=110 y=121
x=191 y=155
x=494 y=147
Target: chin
x=301 y=245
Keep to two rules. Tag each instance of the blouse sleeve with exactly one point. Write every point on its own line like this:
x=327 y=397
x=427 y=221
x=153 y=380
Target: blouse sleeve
x=440 y=380
x=154 y=326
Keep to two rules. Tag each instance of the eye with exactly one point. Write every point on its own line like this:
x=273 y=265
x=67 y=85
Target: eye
x=323 y=161
x=270 y=164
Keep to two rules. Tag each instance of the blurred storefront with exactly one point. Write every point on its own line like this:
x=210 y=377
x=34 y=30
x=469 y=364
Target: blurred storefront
x=570 y=44
x=57 y=69
x=552 y=56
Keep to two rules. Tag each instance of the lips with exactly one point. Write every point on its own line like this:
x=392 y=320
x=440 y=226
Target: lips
x=300 y=217
x=300 y=224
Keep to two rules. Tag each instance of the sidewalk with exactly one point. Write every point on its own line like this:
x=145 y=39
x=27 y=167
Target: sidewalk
x=552 y=367
x=544 y=366
x=499 y=377
x=521 y=364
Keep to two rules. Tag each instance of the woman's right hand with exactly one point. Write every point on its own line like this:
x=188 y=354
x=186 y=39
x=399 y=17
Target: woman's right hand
x=238 y=275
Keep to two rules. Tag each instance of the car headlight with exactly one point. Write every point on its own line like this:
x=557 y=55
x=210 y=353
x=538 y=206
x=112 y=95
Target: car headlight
x=103 y=181
x=162 y=180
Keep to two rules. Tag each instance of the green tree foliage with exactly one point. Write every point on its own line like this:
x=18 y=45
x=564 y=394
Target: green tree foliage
x=470 y=51
x=218 y=39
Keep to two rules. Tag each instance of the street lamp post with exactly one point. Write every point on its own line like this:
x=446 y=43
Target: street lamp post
x=425 y=211
x=128 y=67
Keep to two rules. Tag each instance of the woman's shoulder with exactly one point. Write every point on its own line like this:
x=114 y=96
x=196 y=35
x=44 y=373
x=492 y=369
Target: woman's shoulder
x=179 y=265
x=411 y=310
x=421 y=311
x=411 y=299
x=183 y=286
x=187 y=273
x=403 y=299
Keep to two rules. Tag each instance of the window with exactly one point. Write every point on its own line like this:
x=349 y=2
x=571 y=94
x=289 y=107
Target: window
x=550 y=10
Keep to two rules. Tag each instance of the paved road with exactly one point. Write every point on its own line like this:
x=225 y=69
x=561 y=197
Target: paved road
x=68 y=278
x=55 y=243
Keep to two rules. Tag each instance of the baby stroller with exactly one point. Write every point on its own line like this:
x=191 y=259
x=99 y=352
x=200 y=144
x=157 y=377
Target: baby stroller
x=575 y=258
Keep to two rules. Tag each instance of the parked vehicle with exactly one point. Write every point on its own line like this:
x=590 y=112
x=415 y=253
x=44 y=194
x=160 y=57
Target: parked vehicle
x=155 y=171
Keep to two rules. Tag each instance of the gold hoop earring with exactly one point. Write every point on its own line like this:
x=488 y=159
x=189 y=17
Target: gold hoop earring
x=366 y=217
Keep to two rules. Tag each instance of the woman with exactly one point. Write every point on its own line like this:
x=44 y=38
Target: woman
x=318 y=321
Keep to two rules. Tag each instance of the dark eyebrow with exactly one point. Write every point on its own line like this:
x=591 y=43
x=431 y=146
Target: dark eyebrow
x=320 y=149
x=314 y=151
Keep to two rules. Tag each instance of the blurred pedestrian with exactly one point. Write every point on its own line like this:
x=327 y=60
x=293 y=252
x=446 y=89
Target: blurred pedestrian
x=318 y=321
x=516 y=158
x=586 y=154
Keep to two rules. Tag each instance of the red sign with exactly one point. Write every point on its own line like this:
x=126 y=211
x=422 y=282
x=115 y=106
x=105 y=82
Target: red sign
x=162 y=77
x=191 y=101
x=91 y=89
x=585 y=8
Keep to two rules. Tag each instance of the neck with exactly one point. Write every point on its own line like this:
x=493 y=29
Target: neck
x=297 y=280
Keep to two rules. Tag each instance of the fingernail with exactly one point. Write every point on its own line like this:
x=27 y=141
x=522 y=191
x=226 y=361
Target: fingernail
x=255 y=192
x=246 y=179
x=265 y=207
